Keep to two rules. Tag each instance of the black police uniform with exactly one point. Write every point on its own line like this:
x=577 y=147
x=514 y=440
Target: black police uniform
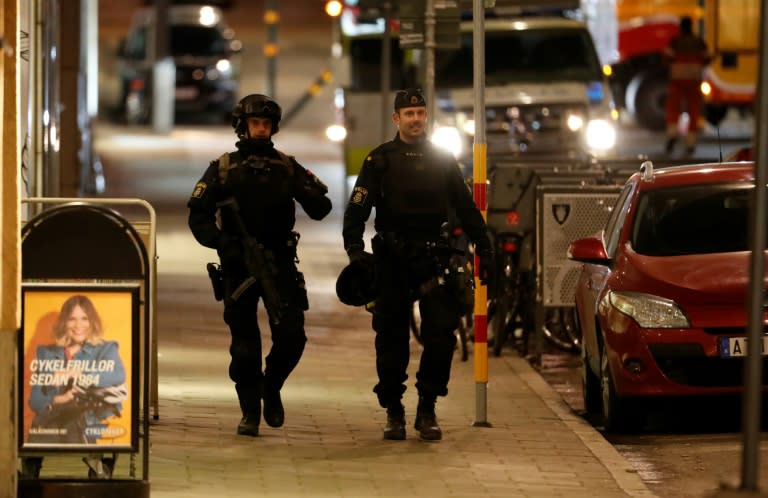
x=416 y=189
x=264 y=184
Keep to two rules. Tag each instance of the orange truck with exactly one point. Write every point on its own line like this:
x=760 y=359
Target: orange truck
x=732 y=33
x=644 y=29
x=641 y=29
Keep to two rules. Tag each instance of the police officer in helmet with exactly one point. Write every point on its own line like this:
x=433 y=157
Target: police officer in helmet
x=417 y=189
x=248 y=196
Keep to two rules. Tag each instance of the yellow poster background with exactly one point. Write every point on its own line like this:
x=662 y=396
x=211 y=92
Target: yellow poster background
x=115 y=308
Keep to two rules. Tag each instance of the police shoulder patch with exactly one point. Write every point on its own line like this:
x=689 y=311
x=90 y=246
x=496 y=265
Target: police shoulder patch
x=359 y=195
x=199 y=190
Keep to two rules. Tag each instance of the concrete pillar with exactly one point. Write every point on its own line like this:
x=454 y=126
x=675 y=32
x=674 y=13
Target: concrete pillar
x=10 y=255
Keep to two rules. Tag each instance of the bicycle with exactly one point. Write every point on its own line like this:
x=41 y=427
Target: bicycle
x=509 y=311
x=512 y=318
x=560 y=328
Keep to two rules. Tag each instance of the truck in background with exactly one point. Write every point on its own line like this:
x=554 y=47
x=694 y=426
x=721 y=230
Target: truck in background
x=631 y=36
x=732 y=33
x=545 y=89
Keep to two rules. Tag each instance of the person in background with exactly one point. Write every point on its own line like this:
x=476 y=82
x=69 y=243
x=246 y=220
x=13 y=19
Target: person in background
x=419 y=194
x=686 y=56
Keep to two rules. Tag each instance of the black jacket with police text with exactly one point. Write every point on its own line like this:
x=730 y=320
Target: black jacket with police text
x=264 y=184
x=415 y=188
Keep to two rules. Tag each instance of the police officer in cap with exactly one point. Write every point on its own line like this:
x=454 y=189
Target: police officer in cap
x=249 y=195
x=417 y=190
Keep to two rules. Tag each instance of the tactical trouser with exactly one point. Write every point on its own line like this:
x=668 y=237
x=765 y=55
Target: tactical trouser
x=401 y=275
x=288 y=337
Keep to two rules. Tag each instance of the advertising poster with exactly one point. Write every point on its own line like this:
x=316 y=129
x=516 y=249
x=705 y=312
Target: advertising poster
x=79 y=355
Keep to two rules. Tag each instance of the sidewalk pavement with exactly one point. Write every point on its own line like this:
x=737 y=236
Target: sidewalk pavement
x=331 y=444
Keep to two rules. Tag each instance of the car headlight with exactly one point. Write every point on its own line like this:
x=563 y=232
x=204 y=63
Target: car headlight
x=600 y=134
x=574 y=122
x=224 y=67
x=449 y=138
x=336 y=133
x=649 y=311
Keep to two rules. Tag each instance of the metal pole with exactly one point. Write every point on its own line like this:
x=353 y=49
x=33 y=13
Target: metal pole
x=271 y=19
x=480 y=188
x=429 y=62
x=753 y=365
x=386 y=72
x=37 y=182
x=163 y=79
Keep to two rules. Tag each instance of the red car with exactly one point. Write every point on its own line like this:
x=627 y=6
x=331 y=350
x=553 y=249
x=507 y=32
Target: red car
x=662 y=295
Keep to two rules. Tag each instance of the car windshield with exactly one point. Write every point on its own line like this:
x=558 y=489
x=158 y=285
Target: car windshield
x=529 y=55
x=701 y=219
x=197 y=40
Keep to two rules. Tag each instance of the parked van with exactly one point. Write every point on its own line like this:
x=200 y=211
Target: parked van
x=204 y=51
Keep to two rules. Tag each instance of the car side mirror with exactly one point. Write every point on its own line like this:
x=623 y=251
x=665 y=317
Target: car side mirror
x=588 y=250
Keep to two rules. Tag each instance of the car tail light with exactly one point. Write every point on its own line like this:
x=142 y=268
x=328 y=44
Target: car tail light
x=509 y=246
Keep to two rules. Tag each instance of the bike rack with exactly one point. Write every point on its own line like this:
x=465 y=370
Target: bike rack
x=83 y=243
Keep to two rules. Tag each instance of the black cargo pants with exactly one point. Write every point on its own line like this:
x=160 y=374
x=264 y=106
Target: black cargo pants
x=402 y=269
x=288 y=336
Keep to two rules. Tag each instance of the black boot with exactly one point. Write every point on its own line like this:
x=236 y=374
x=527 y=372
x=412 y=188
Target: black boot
x=250 y=404
x=395 y=428
x=426 y=420
x=274 y=414
x=249 y=424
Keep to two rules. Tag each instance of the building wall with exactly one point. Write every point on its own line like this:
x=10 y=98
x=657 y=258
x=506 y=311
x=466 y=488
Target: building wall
x=9 y=244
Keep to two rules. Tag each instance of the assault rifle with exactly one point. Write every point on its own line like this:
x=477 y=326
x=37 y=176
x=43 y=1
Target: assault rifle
x=258 y=261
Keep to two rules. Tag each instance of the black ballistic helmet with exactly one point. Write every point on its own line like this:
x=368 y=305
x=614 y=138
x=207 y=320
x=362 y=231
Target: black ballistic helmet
x=356 y=285
x=259 y=105
x=410 y=97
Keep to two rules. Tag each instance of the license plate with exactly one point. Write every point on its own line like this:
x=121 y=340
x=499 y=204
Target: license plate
x=732 y=347
x=186 y=93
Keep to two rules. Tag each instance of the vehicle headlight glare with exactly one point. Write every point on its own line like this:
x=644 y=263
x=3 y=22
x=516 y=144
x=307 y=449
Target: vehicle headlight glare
x=600 y=134
x=336 y=133
x=649 y=311
x=574 y=122
x=469 y=127
x=449 y=138
x=224 y=66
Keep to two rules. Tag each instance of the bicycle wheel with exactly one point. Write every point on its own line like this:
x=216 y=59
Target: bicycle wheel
x=501 y=319
x=560 y=330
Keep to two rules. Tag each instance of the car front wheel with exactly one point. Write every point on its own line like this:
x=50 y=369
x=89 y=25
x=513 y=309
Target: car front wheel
x=619 y=414
x=590 y=384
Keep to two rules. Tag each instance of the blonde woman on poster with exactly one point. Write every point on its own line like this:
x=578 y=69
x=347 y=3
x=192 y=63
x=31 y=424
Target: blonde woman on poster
x=78 y=381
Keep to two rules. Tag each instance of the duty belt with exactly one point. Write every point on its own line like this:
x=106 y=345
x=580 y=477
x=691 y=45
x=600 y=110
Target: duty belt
x=400 y=241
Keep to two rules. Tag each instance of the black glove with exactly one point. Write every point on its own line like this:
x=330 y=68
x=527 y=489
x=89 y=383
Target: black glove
x=358 y=256
x=486 y=267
